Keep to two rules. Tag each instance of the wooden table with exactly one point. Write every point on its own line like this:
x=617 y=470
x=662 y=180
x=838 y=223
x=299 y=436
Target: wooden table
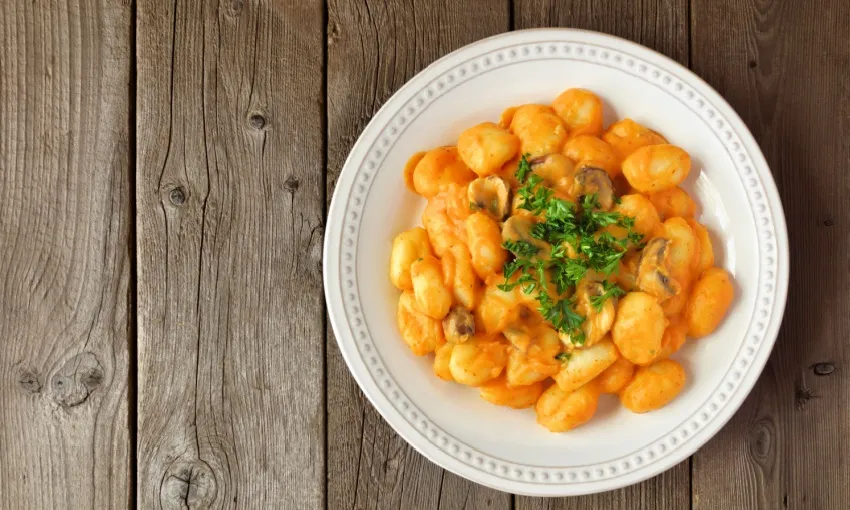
x=165 y=172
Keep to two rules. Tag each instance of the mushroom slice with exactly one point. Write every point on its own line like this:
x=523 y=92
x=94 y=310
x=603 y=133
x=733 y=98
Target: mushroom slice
x=458 y=325
x=653 y=275
x=491 y=195
x=592 y=180
x=518 y=228
x=597 y=322
x=556 y=170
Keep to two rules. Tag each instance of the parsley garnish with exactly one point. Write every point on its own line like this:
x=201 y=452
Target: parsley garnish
x=523 y=168
x=535 y=198
x=563 y=357
x=609 y=290
x=571 y=229
x=521 y=248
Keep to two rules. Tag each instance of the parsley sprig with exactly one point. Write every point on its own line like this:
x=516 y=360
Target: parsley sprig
x=581 y=242
x=609 y=290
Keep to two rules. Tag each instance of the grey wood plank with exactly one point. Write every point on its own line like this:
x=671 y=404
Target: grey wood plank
x=784 y=69
x=373 y=49
x=230 y=202
x=65 y=270
x=663 y=26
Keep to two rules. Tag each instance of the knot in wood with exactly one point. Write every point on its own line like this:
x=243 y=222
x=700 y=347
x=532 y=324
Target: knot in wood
x=72 y=384
x=828 y=223
x=28 y=381
x=177 y=195
x=188 y=484
x=761 y=440
x=257 y=121
x=333 y=31
x=291 y=184
x=236 y=8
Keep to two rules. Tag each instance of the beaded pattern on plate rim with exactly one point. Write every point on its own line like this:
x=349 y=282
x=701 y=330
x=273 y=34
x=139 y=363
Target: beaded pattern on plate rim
x=755 y=193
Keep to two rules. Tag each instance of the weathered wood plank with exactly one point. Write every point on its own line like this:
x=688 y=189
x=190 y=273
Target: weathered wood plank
x=373 y=49
x=658 y=24
x=230 y=202
x=663 y=26
x=64 y=260
x=668 y=491
x=783 y=66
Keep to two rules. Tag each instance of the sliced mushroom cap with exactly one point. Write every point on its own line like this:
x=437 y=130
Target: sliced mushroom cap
x=491 y=195
x=518 y=228
x=458 y=325
x=653 y=275
x=592 y=180
x=556 y=170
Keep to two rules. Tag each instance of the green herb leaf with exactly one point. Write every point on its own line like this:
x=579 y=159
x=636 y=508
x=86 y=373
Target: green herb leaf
x=610 y=290
x=565 y=224
x=523 y=168
x=521 y=248
x=563 y=357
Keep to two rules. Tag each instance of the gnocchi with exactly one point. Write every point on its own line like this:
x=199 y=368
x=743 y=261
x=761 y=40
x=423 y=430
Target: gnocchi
x=639 y=327
x=439 y=168
x=594 y=152
x=585 y=364
x=656 y=167
x=499 y=392
x=477 y=361
x=560 y=411
x=615 y=377
x=486 y=147
x=581 y=111
x=557 y=261
x=539 y=129
x=421 y=333
x=653 y=386
x=710 y=298
x=408 y=247
x=432 y=296
x=626 y=136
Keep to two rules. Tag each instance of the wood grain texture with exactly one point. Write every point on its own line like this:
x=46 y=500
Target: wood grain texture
x=658 y=24
x=663 y=26
x=668 y=491
x=230 y=202
x=784 y=68
x=374 y=47
x=64 y=260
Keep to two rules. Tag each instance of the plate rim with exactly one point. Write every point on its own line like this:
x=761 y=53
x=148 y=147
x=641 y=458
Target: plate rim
x=340 y=321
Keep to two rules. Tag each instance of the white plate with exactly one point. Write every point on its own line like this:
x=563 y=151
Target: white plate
x=449 y=423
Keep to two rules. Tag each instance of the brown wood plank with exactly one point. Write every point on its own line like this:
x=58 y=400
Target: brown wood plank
x=784 y=68
x=230 y=202
x=658 y=24
x=663 y=26
x=374 y=47
x=64 y=257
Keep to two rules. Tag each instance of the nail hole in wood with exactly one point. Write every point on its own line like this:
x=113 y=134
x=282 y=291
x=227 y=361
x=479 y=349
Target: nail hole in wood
x=177 y=196
x=752 y=64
